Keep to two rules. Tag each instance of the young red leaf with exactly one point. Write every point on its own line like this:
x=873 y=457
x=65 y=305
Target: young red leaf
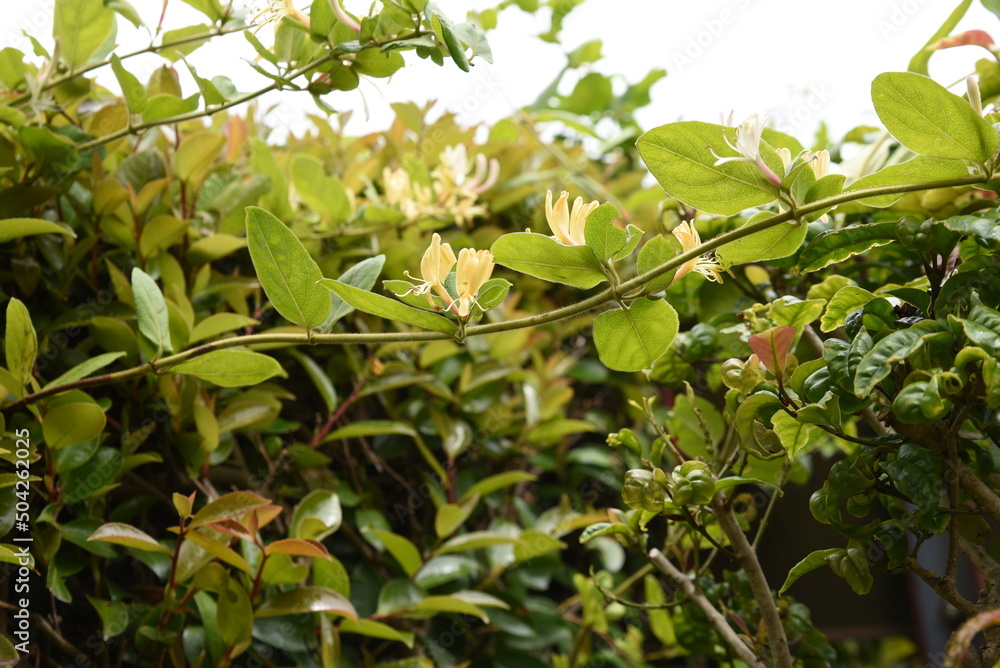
x=772 y=347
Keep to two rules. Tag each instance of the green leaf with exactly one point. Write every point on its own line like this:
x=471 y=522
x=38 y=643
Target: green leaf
x=227 y=506
x=793 y=434
x=983 y=227
x=633 y=235
x=163 y=106
x=196 y=153
x=775 y=242
x=210 y=8
x=219 y=323
x=114 y=616
x=660 y=621
x=286 y=271
x=133 y=91
x=450 y=516
x=373 y=629
x=129 y=536
x=877 y=363
x=231 y=368
x=405 y=552
x=450 y=604
x=323 y=194
x=983 y=328
x=151 y=310
x=317 y=515
x=631 y=339
x=812 y=561
x=219 y=550
x=754 y=436
x=916 y=472
x=680 y=156
x=15 y=228
x=20 y=344
x=234 y=618
x=919 y=170
x=545 y=258
x=445 y=31
x=71 y=423
x=362 y=276
x=101 y=470
x=929 y=120
x=787 y=311
x=371 y=428
x=835 y=246
x=475 y=540
x=498 y=482
x=390 y=309
x=535 y=543
x=655 y=252
x=844 y=302
x=601 y=234
x=307 y=599
x=852 y=565
x=81 y=26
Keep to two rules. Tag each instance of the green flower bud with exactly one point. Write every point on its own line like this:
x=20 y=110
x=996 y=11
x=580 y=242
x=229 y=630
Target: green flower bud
x=692 y=483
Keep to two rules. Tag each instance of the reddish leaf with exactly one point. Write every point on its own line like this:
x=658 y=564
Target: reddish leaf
x=298 y=547
x=233 y=528
x=967 y=38
x=772 y=347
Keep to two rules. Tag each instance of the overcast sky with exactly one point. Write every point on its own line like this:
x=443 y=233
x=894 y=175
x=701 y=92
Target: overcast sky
x=801 y=61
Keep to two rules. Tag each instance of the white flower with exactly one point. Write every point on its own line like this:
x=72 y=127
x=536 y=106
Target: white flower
x=567 y=226
x=748 y=136
x=704 y=265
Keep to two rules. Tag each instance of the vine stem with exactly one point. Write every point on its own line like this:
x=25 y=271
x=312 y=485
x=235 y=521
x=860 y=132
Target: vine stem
x=716 y=618
x=747 y=556
x=608 y=295
x=131 y=129
x=152 y=48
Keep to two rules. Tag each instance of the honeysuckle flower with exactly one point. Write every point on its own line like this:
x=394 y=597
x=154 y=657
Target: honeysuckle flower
x=786 y=157
x=272 y=11
x=819 y=162
x=748 y=136
x=975 y=98
x=474 y=268
x=567 y=225
x=704 y=265
x=435 y=265
x=454 y=169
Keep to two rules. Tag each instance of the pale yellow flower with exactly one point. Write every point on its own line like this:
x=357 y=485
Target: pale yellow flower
x=704 y=265
x=819 y=162
x=435 y=266
x=474 y=268
x=567 y=226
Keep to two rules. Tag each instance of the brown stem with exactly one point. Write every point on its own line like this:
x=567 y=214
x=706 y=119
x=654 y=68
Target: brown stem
x=745 y=554
x=715 y=618
x=979 y=491
x=944 y=588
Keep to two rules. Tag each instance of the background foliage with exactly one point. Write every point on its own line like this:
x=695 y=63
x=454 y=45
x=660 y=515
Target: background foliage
x=431 y=493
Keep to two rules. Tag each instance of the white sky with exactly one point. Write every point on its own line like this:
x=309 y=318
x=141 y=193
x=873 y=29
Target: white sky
x=801 y=61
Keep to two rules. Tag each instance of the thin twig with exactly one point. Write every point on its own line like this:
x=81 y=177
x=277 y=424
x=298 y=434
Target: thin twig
x=715 y=618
